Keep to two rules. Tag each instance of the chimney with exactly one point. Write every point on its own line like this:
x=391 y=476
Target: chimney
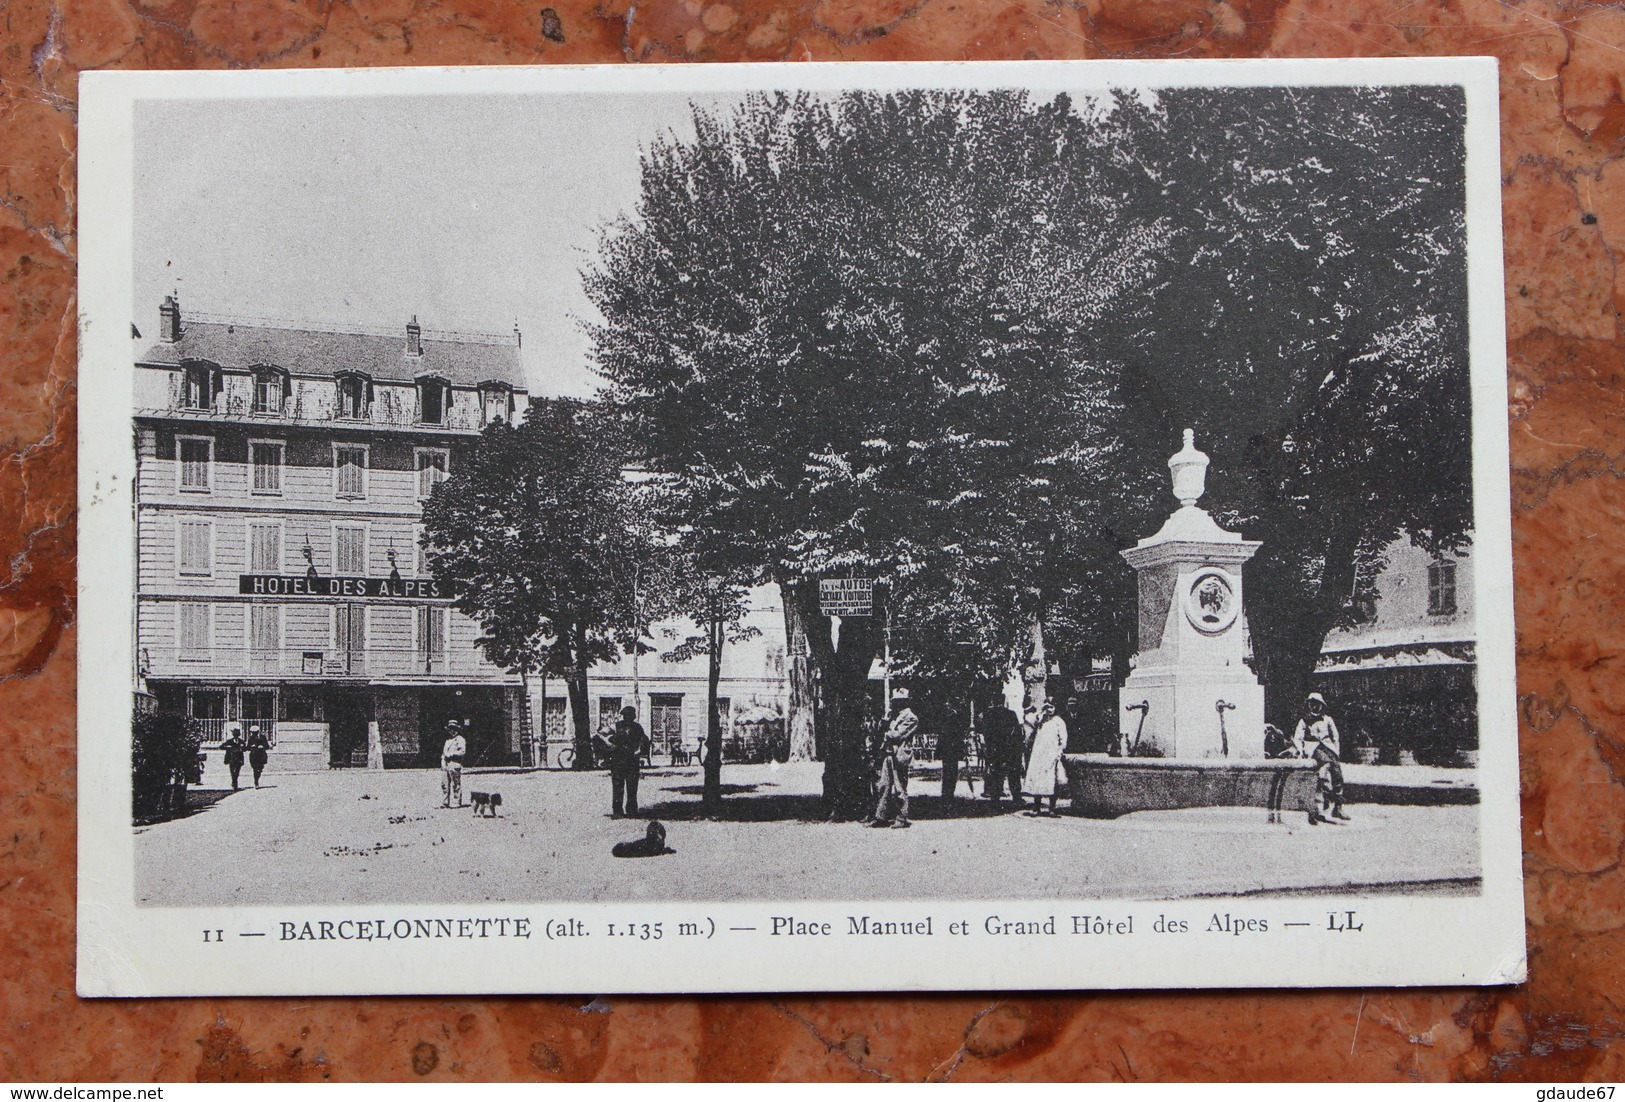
x=169 y=319
x=518 y=337
x=414 y=337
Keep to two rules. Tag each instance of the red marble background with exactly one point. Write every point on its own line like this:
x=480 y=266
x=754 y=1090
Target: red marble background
x=1563 y=128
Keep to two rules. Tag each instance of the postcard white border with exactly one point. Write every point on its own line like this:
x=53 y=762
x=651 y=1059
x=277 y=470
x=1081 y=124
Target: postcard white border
x=125 y=950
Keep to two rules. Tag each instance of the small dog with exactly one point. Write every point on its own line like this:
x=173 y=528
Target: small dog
x=652 y=844
x=486 y=803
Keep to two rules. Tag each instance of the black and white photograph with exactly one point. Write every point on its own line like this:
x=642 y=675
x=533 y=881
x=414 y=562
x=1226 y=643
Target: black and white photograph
x=550 y=529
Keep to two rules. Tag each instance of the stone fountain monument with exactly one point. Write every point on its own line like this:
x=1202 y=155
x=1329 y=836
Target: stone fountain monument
x=1191 y=695
x=1192 y=709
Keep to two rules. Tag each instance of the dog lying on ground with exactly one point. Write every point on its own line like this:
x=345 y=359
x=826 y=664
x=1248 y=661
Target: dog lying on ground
x=652 y=844
x=486 y=803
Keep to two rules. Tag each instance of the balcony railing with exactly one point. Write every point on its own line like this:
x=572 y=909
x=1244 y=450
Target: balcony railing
x=314 y=663
x=293 y=417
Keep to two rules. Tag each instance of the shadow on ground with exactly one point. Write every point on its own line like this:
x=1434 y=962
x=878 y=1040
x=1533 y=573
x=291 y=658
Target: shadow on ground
x=748 y=803
x=198 y=800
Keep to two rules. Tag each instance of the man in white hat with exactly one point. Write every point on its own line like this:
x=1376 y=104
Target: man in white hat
x=1316 y=737
x=452 y=753
x=896 y=755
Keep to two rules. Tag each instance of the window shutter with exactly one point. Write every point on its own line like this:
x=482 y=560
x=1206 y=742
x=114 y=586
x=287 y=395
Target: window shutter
x=195 y=624
x=350 y=552
x=265 y=627
x=267 y=460
x=194 y=551
x=194 y=459
x=265 y=549
x=431 y=631
x=351 y=471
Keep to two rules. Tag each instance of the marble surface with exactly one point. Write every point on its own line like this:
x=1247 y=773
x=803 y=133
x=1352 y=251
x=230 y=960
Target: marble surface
x=1563 y=123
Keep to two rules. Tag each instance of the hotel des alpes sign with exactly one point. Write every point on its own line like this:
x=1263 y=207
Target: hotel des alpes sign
x=281 y=473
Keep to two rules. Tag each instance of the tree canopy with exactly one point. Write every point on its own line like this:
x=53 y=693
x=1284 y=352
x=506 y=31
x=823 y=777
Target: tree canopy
x=541 y=541
x=946 y=340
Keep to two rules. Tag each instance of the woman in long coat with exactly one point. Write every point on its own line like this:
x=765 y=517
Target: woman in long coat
x=1043 y=776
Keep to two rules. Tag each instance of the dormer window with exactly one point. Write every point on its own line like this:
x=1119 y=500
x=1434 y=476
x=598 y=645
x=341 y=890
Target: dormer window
x=270 y=390
x=434 y=396
x=496 y=401
x=354 y=396
x=197 y=387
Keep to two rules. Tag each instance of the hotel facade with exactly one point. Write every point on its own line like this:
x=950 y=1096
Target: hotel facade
x=281 y=473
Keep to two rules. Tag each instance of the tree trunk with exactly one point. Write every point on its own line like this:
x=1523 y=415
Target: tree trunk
x=525 y=708
x=711 y=792
x=843 y=678
x=1289 y=635
x=575 y=681
x=799 y=712
x=1035 y=674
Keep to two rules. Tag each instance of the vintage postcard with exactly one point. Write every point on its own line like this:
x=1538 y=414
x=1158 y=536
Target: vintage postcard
x=816 y=527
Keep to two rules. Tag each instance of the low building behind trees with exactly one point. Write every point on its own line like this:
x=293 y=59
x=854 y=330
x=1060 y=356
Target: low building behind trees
x=1403 y=682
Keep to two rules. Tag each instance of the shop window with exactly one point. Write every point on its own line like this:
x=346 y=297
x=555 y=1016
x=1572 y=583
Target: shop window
x=208 y=707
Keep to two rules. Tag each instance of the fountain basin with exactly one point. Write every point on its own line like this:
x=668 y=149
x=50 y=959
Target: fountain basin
x=1105 y=787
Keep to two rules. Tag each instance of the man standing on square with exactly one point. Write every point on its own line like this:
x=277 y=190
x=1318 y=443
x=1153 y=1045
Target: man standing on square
x=628 y=743
x=451 y=765
x=896 y=755
x=1002 y=735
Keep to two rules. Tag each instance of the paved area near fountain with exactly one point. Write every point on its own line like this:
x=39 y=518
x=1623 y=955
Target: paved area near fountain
x=369 y=837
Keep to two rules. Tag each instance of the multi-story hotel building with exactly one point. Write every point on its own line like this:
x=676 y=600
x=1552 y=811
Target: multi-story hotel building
x=281 y=473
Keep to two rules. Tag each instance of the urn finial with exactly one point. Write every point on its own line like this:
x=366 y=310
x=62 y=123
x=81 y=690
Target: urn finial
x=1189 y=470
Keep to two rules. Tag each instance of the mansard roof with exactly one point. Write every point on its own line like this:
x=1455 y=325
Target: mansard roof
x=461 y=359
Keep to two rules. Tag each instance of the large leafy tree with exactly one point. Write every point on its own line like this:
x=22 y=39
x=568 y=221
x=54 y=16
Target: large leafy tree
x=1308 y=318
x=716 y=606
x=542 y=541
x=701 y=578
x=1306 y=313
x=855 y=332
x=947 y=340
